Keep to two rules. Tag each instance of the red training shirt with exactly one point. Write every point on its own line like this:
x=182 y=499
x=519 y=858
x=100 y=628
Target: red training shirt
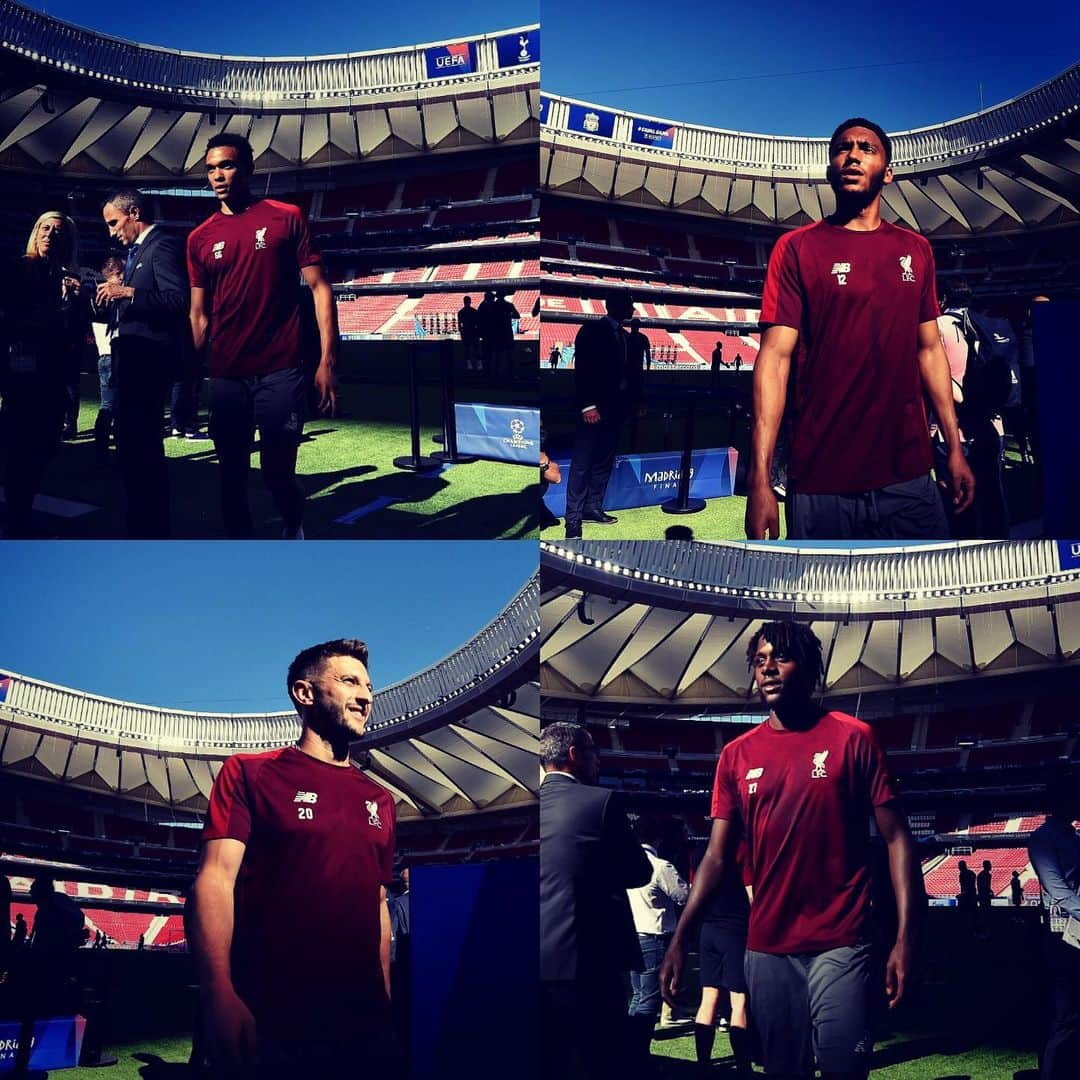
x=856 y=299
x=804 y=799
x=320 y=842
x=249 y=264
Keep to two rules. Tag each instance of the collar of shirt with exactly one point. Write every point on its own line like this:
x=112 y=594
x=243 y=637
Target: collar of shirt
x=558 y=772
x=143 y=235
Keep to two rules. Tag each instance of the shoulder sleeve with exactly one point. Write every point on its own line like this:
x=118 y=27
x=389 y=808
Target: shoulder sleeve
x=725 y=799
x=194 y=268
x=928 y=305
x=878 y=781
x=306 y=255
x=388 y=853
x=229 y=813
x=630 y=865
x=782 y=297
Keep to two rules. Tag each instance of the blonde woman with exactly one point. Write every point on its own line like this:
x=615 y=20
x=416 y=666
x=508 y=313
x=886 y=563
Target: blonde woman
x=43 y=322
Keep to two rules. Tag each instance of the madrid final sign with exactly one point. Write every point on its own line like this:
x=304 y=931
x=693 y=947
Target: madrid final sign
x=458 y=58
x=55 y=1043
x=518 y=49
x=652 y=133
x=650 y=479
x=498 y=432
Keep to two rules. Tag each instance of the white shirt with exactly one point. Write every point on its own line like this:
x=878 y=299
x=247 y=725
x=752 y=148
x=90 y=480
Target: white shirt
x=654 y=904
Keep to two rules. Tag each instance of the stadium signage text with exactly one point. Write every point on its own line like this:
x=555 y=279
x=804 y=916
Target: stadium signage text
x=649 y=133
x=1069 y=554
x=458 y=58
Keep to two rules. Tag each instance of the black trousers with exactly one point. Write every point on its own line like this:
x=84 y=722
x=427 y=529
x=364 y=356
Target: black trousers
x=1061 y=1054
x=142 y=375
x=584 y=1030
x=590 y=466
x=31 y=419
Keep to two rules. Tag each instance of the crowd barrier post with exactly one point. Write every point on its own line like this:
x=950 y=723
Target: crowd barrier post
x=449 y=453
x=414 y=462
x=682 y=503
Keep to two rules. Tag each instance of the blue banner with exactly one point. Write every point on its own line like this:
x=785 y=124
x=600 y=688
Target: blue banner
x=545 y=109
x=456 y=59
x=650 y=133
x=591 y=121
x=5 y=684
x=56 y=1043
x=498 y=433
x=518 y=49
x=1068 y=554
x=650 y=479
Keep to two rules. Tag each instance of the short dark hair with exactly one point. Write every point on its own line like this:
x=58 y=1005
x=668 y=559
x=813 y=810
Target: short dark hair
x=112 y=265
x=861 y=121
x=125 y=200
x=237 y=142
x=795 y=640
x=556 y=740
x=309 y=662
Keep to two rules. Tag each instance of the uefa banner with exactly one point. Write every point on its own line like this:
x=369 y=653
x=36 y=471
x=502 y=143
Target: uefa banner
x=650 y=479
x=1068 y=555
x=652 y=133
x=56 y=1044
x=456 y=59
x=518 y=49
x=591 y=121
x=498 y=432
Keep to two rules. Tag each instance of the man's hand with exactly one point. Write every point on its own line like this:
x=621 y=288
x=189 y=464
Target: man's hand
x=591 y=416
x=896 y=972
x=113 y=290
x=762 y=513
x=671 y=970
x=324 y=383
x=962 y=480
x=231 y=1028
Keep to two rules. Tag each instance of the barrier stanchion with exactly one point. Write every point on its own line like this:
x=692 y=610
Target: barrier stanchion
x=682 y=503
x=449 y=453
x=415 y=462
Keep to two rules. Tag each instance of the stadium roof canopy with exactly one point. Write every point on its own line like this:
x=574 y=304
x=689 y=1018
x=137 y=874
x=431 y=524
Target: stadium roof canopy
x=1012 y=167
x=90 y=105
x=669 y=623
x=457 y=737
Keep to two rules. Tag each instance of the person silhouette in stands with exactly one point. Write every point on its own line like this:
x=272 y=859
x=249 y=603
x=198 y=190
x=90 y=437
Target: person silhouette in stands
x=849 y=319
x=967 y=898
x=468 y=329
x=1017 y=887
x=637 y=344
x=486 y=319
x=504 y=318
x=717 y=364
x=554 y=357
x=300 y=829
x=18 y=939
x=142 y=943
x=985 y=892
x=607 y=389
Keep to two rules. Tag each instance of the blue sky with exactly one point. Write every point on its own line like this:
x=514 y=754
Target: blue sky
x=247 y=28
x=213 y=626
x=792 y=68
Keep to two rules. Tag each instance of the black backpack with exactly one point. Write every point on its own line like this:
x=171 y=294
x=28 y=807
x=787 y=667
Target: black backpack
x=992 y=379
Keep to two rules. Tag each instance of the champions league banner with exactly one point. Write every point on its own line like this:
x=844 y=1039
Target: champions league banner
x=518 y=49
x=650 y=479
x=650 y=133
x=456 y=59
x=498 y=433
x=56 y=1043
x=591 y=121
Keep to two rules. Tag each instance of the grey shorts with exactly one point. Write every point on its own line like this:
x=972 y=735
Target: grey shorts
x=812 y=1007
x=912 y=510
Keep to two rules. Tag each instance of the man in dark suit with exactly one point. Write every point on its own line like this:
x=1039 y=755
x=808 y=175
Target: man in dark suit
x=149 y=314
x=607 y=388
x=589 y=857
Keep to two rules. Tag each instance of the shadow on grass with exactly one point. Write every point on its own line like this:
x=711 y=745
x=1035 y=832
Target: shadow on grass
x=157 y=1068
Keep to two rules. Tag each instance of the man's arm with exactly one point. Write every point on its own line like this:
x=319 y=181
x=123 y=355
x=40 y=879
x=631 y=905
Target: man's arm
x=670 y=883
x=771 y=371
x=902 y=870
x=170 y=277
x=384 y=937
x=709 y=873
x=326 y=316
x=230 y=1023
x=1044 y=860
x=937 y=382
x=630 y=865
x=200 y=321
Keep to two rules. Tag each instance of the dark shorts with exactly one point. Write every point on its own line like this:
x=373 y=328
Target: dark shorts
x=912 y=510
x=273 y=403
x=720 y=958
x=812 y=1006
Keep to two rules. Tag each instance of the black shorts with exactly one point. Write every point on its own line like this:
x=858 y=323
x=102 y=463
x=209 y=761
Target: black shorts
x=720 y=958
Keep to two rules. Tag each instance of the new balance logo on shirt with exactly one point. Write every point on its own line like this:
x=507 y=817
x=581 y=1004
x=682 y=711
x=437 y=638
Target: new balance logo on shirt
x=306 y=797
x=753 y=775
x=841 y=270
x=219 y=249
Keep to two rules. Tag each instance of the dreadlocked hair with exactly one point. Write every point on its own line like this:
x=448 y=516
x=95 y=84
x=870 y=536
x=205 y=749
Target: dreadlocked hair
x=796 y=641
